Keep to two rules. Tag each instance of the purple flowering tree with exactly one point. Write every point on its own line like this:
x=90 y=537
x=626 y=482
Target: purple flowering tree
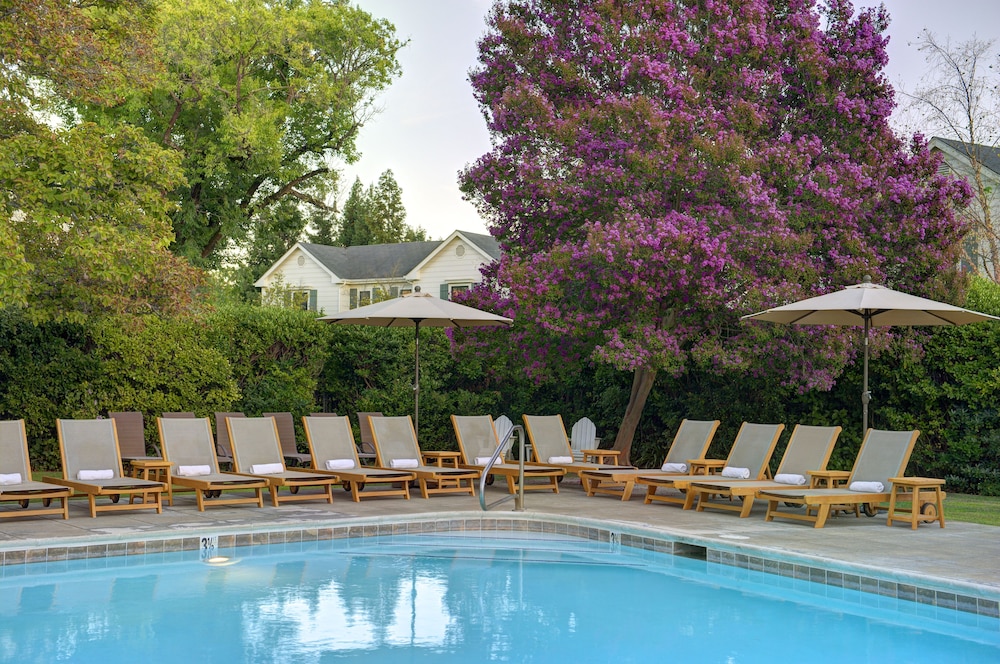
x=661 y=167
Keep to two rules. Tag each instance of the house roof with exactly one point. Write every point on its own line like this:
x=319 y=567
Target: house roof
x=986 y=155
x=380 y=261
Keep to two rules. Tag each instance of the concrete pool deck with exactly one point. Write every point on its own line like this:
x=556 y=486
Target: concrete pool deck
x=963 y=558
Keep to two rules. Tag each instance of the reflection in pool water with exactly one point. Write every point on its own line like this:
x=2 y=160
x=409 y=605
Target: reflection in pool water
x=463 y=598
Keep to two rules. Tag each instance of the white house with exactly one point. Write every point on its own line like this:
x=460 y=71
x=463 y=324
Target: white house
x=962 y=159
x=334 y=279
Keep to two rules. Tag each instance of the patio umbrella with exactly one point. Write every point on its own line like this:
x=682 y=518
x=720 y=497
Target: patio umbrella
x=414 y=310
x=869 y=305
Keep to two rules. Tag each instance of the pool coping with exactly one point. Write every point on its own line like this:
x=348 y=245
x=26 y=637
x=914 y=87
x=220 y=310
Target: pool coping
x=898 y=584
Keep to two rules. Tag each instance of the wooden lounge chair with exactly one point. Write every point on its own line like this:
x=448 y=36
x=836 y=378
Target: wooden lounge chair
x=751 y=452
x=131 y=436
x=223 y=445
x=550 y=446
x=690 y=444
x=190 y=449
x=257 y=453
x=477 y=441
x=396 y=449
x=808 y=449
x=331 y=444
x=883 y=454
x=92 y=465
x=286 y=435
x=15 y=476
x=367 y=451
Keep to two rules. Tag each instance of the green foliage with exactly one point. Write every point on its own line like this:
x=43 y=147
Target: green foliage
x=276 y=355
x=376 y=215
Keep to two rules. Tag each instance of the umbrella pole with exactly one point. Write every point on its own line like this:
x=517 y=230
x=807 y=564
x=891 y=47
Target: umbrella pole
x=416 y=379
x=866 y=396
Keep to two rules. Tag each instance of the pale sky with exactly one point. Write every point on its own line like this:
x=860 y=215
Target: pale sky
x=430 y=127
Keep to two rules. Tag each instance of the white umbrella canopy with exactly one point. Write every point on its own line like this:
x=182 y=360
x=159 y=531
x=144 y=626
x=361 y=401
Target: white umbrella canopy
x=415 y=310
x=869 y=305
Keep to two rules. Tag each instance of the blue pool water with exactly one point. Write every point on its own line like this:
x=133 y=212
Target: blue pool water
x=461 y=599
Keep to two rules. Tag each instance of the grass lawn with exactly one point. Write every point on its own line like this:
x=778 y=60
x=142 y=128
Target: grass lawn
x=972 y=509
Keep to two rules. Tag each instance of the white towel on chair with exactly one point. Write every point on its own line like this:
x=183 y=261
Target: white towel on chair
x=266 y=468
x=790 y=478
x=560 y=460
x=10 y=478
x=191 y=471
x=736 y=473
x=867 y=487
x=404 y=463
x=674 y=467
x=482 y=461
x=339 y=464
x=88 y=475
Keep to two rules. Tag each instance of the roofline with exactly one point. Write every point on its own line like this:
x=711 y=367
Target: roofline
x=440 y=247
x=942 y=145
x=274 y=267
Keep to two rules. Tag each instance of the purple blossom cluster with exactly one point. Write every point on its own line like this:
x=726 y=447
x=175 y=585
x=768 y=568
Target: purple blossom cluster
x=661 y=167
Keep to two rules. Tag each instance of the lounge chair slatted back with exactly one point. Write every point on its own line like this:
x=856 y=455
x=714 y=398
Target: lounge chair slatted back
x=809 y=448
x=754 y=446
x=548 y=437
x=476 y=436
x=286 y=435
x=883 y=454
x=131 y=434
x=188 y=442
x=394 y=439
x=223 y=446
x=330 y=438
x=691 y=440
x=89 y=445
x=258 y=443
x=365 y=427
x=14 y=449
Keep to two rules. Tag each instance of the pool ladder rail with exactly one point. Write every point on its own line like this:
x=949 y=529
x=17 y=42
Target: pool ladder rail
x=505 y=442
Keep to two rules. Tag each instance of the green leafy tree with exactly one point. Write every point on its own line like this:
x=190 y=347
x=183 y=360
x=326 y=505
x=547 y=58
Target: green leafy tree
x=376 y=215
x=259 y=101
x=86 y=229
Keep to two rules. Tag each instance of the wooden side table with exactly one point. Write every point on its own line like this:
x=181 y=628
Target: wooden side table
x=442 y=458
x=706 y=466
x=157 y=470
x=832 y=479
x=918 y=486
x=601 y=456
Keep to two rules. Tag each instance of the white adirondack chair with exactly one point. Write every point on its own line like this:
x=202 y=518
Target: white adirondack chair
x=502 y=424
x=583 y=437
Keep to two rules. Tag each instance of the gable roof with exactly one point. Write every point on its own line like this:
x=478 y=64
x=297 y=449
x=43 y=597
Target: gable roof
x=984 y=154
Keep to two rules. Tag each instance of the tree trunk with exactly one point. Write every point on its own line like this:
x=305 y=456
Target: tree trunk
x=642 y=383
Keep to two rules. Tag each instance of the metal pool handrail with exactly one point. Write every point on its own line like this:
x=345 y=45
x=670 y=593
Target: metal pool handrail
x=517 y=497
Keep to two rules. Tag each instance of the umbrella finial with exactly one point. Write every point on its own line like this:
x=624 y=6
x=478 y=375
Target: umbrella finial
x=868 y=278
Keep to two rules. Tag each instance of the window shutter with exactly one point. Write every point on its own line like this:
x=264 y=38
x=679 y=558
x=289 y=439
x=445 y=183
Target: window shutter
x=393 y=292
x=445 y=292
x=354 y=299
x=312 y=300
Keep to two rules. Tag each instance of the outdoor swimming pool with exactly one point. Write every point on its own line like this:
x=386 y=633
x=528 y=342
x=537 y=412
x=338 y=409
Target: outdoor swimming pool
x=460 y=598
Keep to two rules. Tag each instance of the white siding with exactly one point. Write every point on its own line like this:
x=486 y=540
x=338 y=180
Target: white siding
x=447 y=267
x=308 y=276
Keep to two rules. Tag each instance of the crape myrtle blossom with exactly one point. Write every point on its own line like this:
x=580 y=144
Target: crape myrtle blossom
x=661 y=167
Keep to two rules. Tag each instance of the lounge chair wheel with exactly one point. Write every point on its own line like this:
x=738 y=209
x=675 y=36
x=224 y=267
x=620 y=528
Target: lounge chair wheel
x=115 y=497
x=23 y=504
x=870 y=509
x=490 y=479
x=45 y=502
x=559 y=479
x=794 y=505
x=929 y=509
x=293 y=489
x=346 y=485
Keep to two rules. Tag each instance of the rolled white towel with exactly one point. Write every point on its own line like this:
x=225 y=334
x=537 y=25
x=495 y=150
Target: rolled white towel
x=736 y=473
x=191 y=471
x=867 y=487
x=266 y=468
x=560 y=459
x=103 y=474
x=339 y=464
x=674 y=467
x=10 y=478
x=790 y=478
x=482 y=461
x=404 y=463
